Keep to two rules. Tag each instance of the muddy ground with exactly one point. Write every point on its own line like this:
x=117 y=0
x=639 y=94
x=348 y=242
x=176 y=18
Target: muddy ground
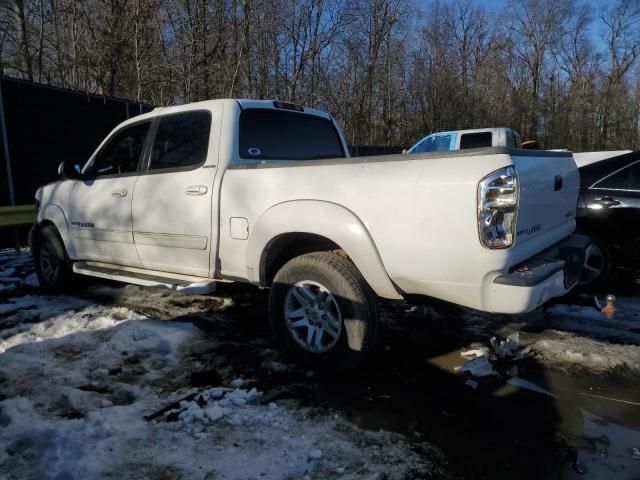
x=570 y=408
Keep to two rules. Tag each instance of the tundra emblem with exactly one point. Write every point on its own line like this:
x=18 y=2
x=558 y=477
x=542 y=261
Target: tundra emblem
x=530 y=230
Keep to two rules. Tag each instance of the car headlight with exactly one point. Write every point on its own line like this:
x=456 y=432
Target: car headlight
x=498 y=195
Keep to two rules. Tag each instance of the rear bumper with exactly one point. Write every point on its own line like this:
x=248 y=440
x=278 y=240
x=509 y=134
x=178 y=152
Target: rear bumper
x=551 y=273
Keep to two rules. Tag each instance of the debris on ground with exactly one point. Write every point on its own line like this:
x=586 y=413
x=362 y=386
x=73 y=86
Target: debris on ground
x=609 y=308
x=527 y=385
x=509 y=348
x=477 y=367
x=483 y=360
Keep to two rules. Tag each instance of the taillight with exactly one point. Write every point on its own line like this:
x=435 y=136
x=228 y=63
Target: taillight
x=288 y=106
x=498 y=208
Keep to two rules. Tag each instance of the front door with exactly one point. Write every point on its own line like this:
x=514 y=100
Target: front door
x=100 y=206
x=173 y=202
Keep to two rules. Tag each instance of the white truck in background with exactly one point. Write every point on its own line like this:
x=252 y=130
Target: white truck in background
x=465 y=139
x=265 y=192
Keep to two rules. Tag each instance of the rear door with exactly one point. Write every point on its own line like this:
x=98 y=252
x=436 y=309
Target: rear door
x=173 y=202
x=614 y=202
x=100 y=206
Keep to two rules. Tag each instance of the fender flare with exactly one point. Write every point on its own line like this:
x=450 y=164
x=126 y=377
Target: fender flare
x=325 y=219
x=53 y=213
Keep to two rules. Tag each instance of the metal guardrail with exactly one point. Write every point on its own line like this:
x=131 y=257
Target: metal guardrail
x=17 y=215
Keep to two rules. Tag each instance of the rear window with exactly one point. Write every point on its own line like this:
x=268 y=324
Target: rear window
x=275 y=135
x=475 y=140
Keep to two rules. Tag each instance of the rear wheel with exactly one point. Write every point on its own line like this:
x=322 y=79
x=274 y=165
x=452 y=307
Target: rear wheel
x=323 y=311
x=53 y=266
x=598 y=264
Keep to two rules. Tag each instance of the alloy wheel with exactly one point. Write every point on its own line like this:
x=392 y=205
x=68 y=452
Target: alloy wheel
x=312 y=316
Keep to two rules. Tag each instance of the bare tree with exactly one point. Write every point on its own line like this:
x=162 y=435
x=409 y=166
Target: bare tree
x=389 y=70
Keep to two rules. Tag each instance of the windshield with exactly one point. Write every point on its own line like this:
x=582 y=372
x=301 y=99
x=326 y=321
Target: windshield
x=433 y=143
x=276 y=135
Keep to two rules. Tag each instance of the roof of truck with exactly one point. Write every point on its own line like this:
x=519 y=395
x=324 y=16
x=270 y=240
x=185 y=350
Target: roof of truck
x=471 y=130
x=242 y=102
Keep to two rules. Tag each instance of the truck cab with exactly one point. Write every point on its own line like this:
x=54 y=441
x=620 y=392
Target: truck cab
x=464 y=139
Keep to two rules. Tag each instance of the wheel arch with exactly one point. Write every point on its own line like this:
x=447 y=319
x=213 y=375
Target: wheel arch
x=293 y=228
x=52 y=214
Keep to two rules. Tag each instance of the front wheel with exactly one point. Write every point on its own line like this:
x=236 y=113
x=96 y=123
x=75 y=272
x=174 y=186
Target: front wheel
x=53 y=266
x=323 y=311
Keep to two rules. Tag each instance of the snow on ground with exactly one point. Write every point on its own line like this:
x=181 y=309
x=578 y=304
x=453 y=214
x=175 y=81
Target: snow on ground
x=623 y=327
x=15 y=270
x=567 y=351
x=582 y=337
x=89 y=390
x=570 y=336
x=100 y=386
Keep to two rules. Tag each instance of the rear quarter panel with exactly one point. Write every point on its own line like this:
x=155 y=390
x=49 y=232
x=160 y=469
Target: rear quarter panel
x=420 y=211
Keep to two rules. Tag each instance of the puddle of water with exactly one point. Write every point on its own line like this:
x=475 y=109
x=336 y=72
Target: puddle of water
x=502 y=427
x=608 y=450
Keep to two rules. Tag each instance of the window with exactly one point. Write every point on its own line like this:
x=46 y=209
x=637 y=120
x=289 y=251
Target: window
x=181 y=141
x=475 y=140
x=516 y=140
x=122 y=153
x=276 y=135
x=434 y=143
x=626 y=179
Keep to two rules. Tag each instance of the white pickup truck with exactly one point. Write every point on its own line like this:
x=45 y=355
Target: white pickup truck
x=465 y=139
x=264 y=192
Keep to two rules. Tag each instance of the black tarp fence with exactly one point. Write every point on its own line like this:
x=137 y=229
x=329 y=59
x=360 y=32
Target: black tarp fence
x=46 y=125
x=372 y=150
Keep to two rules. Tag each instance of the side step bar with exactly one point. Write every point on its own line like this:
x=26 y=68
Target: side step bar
x=147 y=278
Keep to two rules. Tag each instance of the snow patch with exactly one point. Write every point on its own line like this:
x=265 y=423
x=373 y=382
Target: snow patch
x=78 y=380
x=568 y=351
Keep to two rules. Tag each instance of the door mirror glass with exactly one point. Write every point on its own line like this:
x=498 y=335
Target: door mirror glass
x=68 y=170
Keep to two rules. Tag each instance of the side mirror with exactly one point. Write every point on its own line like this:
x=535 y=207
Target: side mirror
x=67 y=170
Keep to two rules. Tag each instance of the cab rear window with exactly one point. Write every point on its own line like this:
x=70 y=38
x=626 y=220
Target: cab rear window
x=277 y=135
x=475 y=140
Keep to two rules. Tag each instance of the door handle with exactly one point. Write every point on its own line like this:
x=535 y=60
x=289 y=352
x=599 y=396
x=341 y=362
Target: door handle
x=122 y=192
x=607 y=201
x=196 y=190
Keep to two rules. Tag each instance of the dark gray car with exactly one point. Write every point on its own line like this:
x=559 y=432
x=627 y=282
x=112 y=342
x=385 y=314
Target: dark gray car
x=609 y=212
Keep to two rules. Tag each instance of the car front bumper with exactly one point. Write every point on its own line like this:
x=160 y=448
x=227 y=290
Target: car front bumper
x=551 y=273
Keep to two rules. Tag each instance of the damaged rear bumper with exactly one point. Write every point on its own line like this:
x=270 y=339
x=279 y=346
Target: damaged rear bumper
x=551 y=273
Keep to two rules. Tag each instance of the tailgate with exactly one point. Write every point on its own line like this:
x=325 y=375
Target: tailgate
x=549 y=187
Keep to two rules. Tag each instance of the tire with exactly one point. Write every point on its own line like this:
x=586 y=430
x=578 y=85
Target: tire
x=323 y=311
x=599 y=266
x=52 y=263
